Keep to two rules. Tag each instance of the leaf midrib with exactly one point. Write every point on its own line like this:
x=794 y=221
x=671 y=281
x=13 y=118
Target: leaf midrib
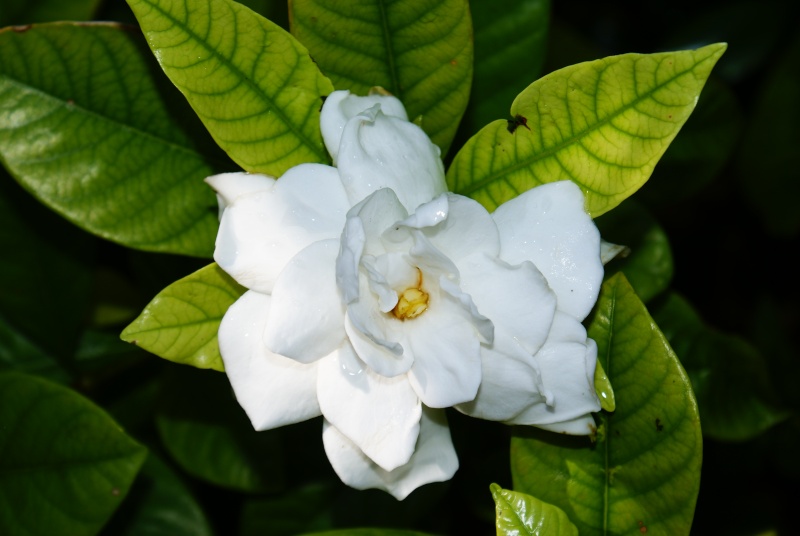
x=387 y=41
x=489 y=179
x=277 y=111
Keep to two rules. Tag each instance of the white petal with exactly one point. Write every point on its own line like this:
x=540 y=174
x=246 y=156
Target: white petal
x=229 y=186
x=375 y=337
x=378 y=212
x=516 y=298
x=349 y=259
x=549 y=226
x=273 y=390
x=434 y=459
x=261 y=231
x=379 y=151
x=510 y=381
x=609 y=251
x=568 y=376
x=341 y=106
x=307 y=320
x=468 y=229
x=379 y=415
x=447 y=355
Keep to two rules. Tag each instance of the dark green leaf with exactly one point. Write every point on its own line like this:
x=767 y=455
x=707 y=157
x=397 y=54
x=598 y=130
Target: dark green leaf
x=66 y=466
x=90 y=127
x=643 y=471
x=648 y=266
x=518 y=514
x=308 y=508
x=209 y=435
x=602 y=124
x=251 y=83
x=367 y=532
x=510 y=39
x=419 y=50
x=159 y=504
x=19 y=354
x=29 y=11
x=182 y=321
x=728 y=374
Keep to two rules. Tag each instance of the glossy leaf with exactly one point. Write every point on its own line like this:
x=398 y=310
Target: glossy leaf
x=93 y=131
x=642 y=473
x=181 y=323
x=206 y=431
x=729 y=376
x=518 y=514
x=19 y=354
x=159 y=505
x=648 y=266
x=251 y=83
x=419 y=50
x=510 y=45
x=602 y=124
x=66 y=465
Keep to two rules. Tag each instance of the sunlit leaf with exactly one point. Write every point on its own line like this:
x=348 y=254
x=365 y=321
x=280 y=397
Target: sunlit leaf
x=419 y=50
x=648 y=266
x=510 y=39
x=729 y=376
x=159 y=505
x=518 y=514
x=66 y=466
x=90 y=127
x=206 y=431
x=602 y=124
x=182 y=321
x=642 y=473
x=252 y=84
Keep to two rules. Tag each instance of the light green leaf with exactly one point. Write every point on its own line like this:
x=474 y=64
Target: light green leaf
x=602 y=124
x=89 y=129
x=252 y=84
x=643 y=471
x=419 y=50
x=181 y=323
x=159 y=505
x=729 y=376
x=648 y=267
x=518 y=513
x=510 y=43
x=206 y=431
x=66 y=465
x=603 y=388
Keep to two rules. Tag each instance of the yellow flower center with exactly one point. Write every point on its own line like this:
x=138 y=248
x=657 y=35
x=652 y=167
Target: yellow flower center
x=412 y=302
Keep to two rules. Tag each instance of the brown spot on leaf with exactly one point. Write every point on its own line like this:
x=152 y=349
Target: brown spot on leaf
x=659 y=425
x=518 y=121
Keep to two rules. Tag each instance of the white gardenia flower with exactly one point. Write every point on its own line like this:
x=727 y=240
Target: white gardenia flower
x=376 y=299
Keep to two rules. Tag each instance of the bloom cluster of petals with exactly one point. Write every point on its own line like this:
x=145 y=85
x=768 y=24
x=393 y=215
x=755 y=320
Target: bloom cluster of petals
x=376 y=299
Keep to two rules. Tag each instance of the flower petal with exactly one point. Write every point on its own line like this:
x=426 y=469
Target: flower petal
x=272 y=389
x=549 y=226
x=510 y=381
x=341 y=106
x=434 y=459
x=379 y=415
x=307 y=320
x=379 y=151
x=447 y=356
x=229 y=186
x=468 y=229
x=374 y=336
x=567 y=369
x=261 y=231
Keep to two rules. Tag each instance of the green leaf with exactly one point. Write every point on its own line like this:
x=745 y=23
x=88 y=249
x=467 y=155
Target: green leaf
x=29 y=11
x=20 y=354
x=518 y=513
x=603 y=388
x=367 y=532
x=602 y=124
x=768 y=160
x=419 y=50
x=66 y=465
x=208 y=434
x=251 y=83
x=90 y=128
x=291 y=513
x=159 y=504
x=182 y=321
x=729 y=376
x=644 y=468
x=649 y=265
x=510 y=43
